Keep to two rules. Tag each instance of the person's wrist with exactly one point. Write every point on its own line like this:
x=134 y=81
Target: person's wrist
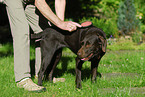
x=60 y=24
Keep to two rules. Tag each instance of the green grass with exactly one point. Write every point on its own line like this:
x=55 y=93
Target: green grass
x=114 y=67
x=125 y=44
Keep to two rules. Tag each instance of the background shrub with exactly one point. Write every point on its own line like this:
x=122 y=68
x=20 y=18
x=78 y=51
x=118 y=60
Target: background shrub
x=143 y=29
x=127 y=21
x=137 y=37
x=108 y=26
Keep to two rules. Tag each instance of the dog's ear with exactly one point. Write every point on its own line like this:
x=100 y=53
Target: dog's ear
x=104 y=43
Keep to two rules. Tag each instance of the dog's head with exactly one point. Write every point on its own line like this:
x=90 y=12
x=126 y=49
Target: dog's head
x=93 y=43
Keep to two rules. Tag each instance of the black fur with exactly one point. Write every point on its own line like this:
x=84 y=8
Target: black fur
x=88 y=43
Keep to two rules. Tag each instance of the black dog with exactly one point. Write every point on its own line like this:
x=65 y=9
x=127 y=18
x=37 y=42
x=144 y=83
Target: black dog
x=88 y=43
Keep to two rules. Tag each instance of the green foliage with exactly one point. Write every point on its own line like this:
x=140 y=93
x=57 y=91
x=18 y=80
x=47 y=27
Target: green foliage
x=127 y=22
x=139 y=4
x=143 y=29
x=107 y=9
x=108 y=26
x=136 y=37
x=106 y=16
x=77 y=9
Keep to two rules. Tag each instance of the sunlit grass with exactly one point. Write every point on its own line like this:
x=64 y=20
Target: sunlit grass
x=121 y=71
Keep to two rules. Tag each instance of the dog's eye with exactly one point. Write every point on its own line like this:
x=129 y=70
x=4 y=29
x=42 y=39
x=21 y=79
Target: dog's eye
x=87 y=43
x=82 y=43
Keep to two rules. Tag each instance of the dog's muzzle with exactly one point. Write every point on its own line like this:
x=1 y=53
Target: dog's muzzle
x=87 y=58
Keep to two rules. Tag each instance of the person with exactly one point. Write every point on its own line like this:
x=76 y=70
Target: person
x=21 y=15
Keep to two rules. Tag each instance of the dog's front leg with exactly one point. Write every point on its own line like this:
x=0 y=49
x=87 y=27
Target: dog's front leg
x=78 y=72
x=94 y=67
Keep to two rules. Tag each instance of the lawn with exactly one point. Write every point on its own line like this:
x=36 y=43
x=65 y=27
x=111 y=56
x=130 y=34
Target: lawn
x=122 y=75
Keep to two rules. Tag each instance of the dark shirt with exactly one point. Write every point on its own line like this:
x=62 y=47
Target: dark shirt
x=28 y=1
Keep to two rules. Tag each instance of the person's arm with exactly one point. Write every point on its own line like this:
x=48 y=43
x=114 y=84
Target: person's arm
x=60 y=8
x=47 y=12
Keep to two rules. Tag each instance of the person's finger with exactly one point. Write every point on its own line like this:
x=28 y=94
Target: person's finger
x=76 y=24
x=72 y=27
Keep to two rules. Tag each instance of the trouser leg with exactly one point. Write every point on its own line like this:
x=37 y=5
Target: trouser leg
x=20 y=33
x=33 y=20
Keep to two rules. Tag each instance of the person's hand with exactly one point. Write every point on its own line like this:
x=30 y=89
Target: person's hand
x=69 y=26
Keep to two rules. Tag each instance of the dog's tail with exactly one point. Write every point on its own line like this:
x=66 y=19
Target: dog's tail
x=41 y=34
x=36 y=36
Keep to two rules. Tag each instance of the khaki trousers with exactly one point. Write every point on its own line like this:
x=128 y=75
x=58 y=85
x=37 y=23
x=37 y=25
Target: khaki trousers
x=20 y=19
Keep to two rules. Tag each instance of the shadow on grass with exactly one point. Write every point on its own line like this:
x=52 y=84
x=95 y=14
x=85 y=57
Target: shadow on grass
x=86 y=72
x=32 y=67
